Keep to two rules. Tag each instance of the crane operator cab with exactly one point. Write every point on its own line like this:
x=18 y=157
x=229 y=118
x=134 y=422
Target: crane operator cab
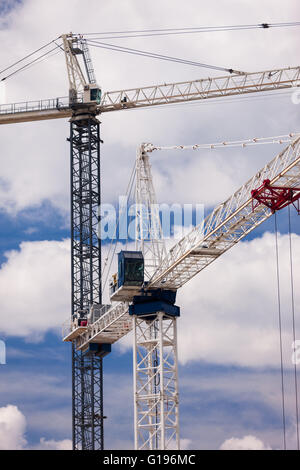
x=130 y=277
x=80 y=318
x=92 y=94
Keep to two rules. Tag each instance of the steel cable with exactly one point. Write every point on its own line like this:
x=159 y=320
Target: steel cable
x=293 y=323
x=280 y=334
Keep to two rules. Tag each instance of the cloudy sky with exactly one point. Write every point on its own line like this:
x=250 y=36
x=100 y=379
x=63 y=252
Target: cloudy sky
x=228 y=335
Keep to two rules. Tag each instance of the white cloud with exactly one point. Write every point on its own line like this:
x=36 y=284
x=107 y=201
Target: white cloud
x=229 y=313
x=184 y=444
x=35 y=288
x=245 y=443
x=34 y=157
x=12 y=428
x=12 y=433
x=65 y=444
x=34 y=170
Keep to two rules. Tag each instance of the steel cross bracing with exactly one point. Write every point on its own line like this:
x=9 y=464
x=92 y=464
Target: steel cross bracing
x=87 y=392
x=156 y=414
x=227 y=224
x=85 y=202
x=202 y=89
x=76 y=78
x=223 y=228
x=109 y=328
x=228 y=85
x=149 y=236
x=87 y=399
x=156 y=403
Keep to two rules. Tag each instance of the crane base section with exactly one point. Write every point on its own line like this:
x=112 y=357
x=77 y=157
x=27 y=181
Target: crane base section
x=156 y=410
x=153 y=301
x=153 y=307
x=99 y=350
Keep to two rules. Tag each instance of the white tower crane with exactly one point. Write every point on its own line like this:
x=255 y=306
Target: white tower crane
x=154 y=322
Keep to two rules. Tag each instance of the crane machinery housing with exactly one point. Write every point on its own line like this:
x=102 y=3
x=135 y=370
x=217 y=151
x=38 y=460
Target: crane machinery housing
x=148 y=278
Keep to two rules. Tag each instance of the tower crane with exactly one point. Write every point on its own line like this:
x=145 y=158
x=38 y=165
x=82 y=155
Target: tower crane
x=147 y=304
x=94 y=326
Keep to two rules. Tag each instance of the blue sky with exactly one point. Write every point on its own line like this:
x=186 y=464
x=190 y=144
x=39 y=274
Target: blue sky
x=7 y=5
x=227 y=388
x=31 y=225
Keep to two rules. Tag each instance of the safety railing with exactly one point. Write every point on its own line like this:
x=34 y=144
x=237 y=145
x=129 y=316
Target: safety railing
x=40 y=105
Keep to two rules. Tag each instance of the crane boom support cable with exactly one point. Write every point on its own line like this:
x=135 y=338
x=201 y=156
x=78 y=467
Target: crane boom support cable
x=27 y=56
x=41 y=59
x=153 y=55
x=109 y=258
x=176 y=31
x=280 y=333
x=30 y=63
x=293 y=324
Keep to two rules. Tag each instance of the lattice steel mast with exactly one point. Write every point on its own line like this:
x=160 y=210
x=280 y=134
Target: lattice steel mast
x=87 y=367
x=155 y=359
x=87 y=373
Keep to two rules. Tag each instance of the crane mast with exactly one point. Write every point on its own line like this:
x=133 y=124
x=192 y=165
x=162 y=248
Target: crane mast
x=87 y=373
x=155 y=358
x=87 y=366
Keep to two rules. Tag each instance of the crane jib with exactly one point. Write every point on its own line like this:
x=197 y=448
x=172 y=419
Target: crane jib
x=157 y=95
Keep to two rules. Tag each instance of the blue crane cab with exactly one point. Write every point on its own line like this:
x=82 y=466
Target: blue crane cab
x=130 y=277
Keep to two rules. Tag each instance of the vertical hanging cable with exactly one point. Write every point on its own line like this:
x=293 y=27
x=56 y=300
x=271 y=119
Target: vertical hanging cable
x=110 y=257
x=294 y=328
x=280 y=335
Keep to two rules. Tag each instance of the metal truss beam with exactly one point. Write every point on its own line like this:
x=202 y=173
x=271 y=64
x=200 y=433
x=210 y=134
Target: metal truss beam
x=87 y=398
x=86 y=277
x=156 y=95
x=227 y=224
x=76 y=78
x=202 y=89
x=149 y=236
x=156 y=409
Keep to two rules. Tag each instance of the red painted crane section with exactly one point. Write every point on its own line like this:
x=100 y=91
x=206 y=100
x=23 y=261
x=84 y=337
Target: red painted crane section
x=275 y=197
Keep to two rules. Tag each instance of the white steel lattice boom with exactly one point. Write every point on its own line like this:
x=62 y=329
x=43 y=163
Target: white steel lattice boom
x=229 y=222
x=167 y=93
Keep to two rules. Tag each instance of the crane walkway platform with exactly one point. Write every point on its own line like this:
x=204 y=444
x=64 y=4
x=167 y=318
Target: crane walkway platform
x=109 y=328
